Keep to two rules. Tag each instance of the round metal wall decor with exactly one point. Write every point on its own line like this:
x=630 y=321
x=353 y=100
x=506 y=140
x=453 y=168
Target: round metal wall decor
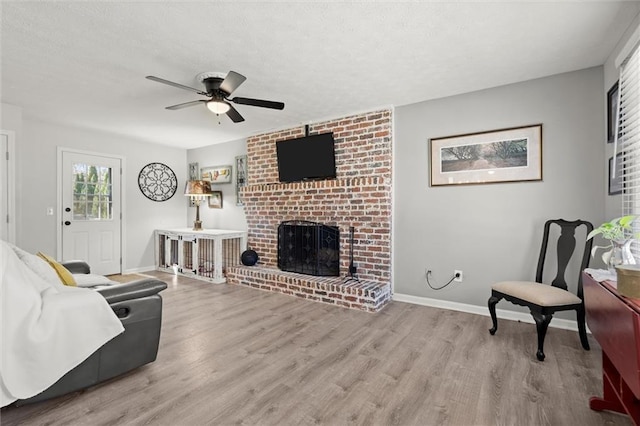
x=157 y=182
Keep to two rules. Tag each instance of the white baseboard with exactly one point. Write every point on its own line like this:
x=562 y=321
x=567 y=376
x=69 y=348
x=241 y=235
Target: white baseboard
x=483 y=310
x=138 y=270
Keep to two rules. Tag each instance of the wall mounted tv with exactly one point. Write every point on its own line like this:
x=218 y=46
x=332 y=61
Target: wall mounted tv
x=306 y=158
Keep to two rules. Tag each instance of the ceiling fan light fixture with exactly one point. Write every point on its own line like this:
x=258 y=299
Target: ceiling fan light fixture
x=218 y=107
x=218 y=88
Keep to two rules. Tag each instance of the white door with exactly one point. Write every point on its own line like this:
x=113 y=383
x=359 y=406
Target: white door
x=91 y=206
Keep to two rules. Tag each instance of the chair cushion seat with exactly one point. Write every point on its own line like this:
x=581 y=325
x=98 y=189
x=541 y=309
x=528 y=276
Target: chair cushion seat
x=537 y=293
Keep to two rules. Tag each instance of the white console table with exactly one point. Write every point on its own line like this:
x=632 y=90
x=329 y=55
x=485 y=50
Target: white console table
x=203 y=255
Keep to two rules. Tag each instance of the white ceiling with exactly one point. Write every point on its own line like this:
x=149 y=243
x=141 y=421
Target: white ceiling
x=84 y=63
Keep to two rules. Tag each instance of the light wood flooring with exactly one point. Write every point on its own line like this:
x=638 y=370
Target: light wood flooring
x=233 y=355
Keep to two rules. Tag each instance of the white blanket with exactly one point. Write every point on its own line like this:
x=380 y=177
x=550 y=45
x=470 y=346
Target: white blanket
x=47 y=328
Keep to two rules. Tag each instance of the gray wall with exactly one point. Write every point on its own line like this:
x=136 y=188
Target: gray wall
x=492 y=232
x=11 y=118
x=231 y=216
x=36 y=170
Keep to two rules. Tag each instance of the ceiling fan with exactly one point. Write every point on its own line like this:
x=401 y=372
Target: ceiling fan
x=218 y=89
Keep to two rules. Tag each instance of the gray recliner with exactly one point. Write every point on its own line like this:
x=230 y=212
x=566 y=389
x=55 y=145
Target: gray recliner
x=139 y=307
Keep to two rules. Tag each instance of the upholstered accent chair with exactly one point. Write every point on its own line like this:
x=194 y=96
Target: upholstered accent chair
x=543 y=300
x=138 y=305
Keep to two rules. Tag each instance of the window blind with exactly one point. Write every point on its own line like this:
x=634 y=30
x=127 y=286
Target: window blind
x=628 y=136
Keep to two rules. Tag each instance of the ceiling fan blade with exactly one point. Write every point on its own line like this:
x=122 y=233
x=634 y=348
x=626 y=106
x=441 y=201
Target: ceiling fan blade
x=232 y=81
x=258 y=103
x=185 y=105
x=179 y=86
x=234 y=115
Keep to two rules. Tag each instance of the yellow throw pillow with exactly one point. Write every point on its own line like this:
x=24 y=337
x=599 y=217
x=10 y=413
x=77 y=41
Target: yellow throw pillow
x=63 y=273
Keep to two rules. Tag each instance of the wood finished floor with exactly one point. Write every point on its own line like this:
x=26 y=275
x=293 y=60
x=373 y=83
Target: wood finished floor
x=233 y=355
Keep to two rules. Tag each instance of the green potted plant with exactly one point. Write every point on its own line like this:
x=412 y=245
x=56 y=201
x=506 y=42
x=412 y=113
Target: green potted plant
x=616 y=231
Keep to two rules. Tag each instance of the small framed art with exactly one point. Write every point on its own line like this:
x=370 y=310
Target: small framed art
x=615 y=182
x=193 y=171
x=612 y=112
x=215 y=200
x=216 y=174
x=241 y=177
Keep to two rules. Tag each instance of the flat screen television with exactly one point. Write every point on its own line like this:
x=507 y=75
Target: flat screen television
x=306 y=158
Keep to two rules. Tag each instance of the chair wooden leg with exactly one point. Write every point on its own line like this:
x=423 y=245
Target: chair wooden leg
x=582 y=328
x=492 y=310
x=542 y=323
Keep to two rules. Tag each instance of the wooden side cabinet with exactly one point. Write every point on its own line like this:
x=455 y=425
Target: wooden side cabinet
x=203 y=255
x=614 y=321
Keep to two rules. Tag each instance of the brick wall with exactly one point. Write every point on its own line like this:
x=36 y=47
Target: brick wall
x=360 y=196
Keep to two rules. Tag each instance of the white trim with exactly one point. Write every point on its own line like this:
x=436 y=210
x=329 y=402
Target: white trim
x=11 y=185
x=393 y=198
x=59 y=202
x=483 y=310
x=139 y=270
x=123 y=197
x=628 y=48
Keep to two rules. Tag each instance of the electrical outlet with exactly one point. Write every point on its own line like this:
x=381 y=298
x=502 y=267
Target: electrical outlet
x=458 y=276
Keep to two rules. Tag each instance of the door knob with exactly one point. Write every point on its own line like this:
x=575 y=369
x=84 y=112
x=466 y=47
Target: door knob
x=66 y=222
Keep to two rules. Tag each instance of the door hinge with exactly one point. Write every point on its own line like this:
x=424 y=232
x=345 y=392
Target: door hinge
x=7 y=155
x=7 y=218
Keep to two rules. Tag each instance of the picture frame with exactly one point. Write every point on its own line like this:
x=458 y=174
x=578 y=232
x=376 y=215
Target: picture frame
x=215 y=200
x=496 y=156
x=616 y=183
x=193 y=171
x=216 y=174
x=241 y=177
x=612 y=112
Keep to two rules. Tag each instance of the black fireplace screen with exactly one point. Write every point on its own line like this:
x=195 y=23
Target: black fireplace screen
x=309 y=248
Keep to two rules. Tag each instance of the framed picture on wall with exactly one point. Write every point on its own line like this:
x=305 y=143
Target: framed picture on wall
x=216 y=174
x=612 y=112
x=615 y=183
x=504 y=155
x=215 y=200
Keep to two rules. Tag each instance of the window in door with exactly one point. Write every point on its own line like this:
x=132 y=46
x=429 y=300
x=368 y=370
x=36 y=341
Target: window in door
x=92 y=192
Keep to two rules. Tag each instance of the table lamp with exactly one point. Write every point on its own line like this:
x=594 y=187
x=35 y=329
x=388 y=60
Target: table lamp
x=198 y=190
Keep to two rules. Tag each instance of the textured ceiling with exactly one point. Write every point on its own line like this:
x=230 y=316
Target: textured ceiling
x=84 y=63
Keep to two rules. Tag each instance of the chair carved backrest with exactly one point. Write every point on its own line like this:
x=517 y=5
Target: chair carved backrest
x=566 y=246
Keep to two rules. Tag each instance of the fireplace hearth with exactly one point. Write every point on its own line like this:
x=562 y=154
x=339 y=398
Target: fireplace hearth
x=309 y=248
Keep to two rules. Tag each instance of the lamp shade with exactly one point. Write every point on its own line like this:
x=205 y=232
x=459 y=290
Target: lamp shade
x=197 y=188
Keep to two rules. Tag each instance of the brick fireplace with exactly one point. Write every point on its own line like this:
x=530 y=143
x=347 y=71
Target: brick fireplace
x=359 y=197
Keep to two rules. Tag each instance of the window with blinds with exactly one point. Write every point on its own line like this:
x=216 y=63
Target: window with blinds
x=628 y=136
